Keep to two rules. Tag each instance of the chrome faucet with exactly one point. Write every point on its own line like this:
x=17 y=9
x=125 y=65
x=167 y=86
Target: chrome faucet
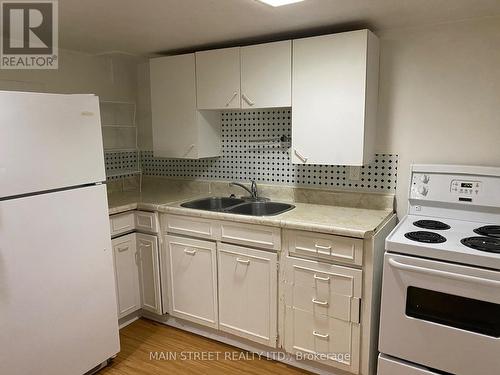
x=252 y=191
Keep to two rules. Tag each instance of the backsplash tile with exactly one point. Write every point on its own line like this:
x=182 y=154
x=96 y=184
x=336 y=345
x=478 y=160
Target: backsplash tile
x=270 y=162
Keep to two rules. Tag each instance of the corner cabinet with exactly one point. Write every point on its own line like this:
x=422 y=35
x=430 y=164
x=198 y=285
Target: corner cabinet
x=179 y=129
x=334 y=98
x=126 y=274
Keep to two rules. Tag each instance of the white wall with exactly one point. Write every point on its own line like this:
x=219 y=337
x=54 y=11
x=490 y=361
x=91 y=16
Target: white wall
x=112 y=77
x=439 y=99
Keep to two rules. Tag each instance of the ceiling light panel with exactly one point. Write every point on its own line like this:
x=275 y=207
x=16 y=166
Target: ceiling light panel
x=278 y=3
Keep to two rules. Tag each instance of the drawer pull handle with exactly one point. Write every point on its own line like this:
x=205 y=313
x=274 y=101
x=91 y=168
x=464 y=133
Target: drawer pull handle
x=322 y=303
x=190 y=252
x=321 y=335
x=319 y=247
x=316 y=277
x=122 y=249
x=243 y=261
x=143 y=244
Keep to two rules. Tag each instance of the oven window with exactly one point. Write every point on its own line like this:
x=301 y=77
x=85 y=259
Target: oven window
x=454 y=311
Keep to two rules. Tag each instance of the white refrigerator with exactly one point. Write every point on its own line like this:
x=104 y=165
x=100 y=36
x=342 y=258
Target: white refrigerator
x=58 y=313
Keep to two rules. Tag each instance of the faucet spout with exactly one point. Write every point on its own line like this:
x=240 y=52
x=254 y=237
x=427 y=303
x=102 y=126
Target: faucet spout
x=252 y=191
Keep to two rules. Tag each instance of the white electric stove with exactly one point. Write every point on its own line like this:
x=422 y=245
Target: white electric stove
x=440 y=310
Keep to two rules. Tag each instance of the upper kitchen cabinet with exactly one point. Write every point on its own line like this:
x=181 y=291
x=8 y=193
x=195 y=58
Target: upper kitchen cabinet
x=266 y=75
x=258 y=76
x=179 y=129
x=334 y=98
x=218 y=79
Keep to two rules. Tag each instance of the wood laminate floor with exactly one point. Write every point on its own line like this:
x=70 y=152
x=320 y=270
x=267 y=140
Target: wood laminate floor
x=180 y=350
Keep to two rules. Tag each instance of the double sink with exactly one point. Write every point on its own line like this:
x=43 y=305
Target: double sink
x=239 y=206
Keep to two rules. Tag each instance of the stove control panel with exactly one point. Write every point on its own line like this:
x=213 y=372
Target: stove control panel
x=460 y=189
x=465 y=189
x=455 y=191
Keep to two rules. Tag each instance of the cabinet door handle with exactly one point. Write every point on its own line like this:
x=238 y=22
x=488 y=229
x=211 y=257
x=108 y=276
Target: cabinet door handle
x=190 y=252
x=319 y=247
x=247 y=99
x=316 y=277
x=145 y=244
x=122 y=249
x=235 y=94
x=322 y=303
x=300 y=156
x=243 y=261
x=189 y=149
x=321 y=335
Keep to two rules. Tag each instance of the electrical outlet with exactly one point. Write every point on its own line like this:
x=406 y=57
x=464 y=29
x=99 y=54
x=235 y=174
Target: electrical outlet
x=354 y=173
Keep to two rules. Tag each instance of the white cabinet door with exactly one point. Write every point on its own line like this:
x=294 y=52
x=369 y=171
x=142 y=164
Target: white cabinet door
x=149 y=273
x=126 y=274
x=218 y=79
x=179 y=130
x=192 y=275
x=334 y=98
x=266 y=75
x=248 y=293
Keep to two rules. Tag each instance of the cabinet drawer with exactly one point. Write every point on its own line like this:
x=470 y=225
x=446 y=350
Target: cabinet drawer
x=251 y=235
x=325 y=289
x=146 y=221
x=391 y=366
x=122 y=223
x=325 y=246
x=334 y=342
x=190 y=226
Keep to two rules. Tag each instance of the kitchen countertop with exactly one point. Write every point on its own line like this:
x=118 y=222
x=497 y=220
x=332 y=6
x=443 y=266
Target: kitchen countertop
x=345 y=221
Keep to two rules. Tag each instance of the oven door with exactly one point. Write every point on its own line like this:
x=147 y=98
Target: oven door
x=441 y=315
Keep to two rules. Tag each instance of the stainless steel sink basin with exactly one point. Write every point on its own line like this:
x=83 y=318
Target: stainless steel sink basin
x=260 y=208
x=213 y=203
x=239 y=206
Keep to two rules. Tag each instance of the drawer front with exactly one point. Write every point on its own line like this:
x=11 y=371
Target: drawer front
x=325 y=246
x=319 y=288
x=322 y=338
x=146 y=221
x=390 y=366
x=251 y=235
x=190 y=226
x=122 y=223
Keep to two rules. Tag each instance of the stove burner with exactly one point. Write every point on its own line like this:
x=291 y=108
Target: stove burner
x=431 y=224
x=488 y=244
x=424 y=236
x=489 y=230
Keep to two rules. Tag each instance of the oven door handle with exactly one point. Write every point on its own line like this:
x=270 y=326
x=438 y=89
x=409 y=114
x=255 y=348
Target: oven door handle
x=448 y=275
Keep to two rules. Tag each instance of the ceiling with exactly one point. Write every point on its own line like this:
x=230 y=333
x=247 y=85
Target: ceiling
x=146 y=27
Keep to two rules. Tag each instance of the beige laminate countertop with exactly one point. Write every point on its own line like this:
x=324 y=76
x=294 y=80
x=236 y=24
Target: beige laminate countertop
x=345 y=221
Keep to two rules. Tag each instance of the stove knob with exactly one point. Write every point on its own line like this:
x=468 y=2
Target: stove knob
x=424 y=178
x=423 y=190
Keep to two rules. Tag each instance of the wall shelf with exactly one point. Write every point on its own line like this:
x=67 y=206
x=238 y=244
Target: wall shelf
x=119 y=134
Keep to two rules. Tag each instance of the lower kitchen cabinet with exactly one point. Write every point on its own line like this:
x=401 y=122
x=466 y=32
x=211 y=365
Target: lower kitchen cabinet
x=137 y=276
x=126 y=274
x=149 y=273
x=248 y=293
x=322 y=312
x=192 y=273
